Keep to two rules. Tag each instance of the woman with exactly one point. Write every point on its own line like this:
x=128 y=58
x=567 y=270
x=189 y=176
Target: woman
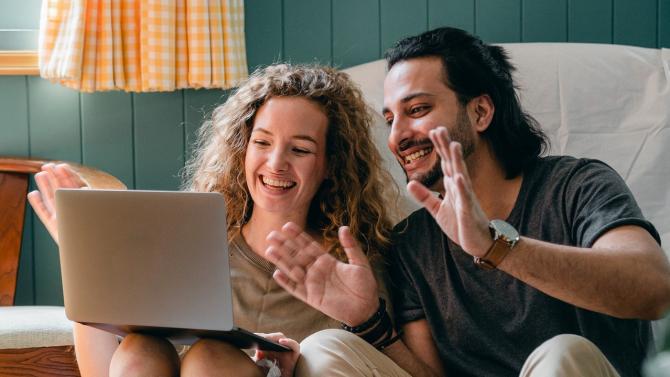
x=291 y=144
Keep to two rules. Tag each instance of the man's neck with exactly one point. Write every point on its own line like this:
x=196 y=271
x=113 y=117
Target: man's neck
x=496 y=194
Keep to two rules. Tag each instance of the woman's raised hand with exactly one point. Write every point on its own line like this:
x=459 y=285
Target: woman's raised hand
x=346 y=292
x=51 y=178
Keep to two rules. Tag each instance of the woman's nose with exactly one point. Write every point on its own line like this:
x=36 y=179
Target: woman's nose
x=277 y=160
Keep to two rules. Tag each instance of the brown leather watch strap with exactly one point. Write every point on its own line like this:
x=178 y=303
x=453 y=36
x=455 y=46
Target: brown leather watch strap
x=496 y=253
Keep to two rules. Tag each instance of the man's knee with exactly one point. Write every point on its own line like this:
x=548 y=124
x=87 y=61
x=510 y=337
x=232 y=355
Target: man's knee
x=331 y=350
x=140 y=355
x=567 y=355
x=329 y=339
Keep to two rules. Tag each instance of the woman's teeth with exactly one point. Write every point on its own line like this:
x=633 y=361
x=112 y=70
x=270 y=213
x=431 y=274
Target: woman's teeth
x=417 y=154
x=277 y=183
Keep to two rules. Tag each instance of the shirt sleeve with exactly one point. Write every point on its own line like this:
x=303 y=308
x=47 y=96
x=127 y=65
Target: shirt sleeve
x=598 y=200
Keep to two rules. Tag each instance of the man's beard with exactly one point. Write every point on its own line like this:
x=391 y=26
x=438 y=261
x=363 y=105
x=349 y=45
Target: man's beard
x=460 y=133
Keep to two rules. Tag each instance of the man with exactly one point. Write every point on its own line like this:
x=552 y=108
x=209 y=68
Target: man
x=471 y=296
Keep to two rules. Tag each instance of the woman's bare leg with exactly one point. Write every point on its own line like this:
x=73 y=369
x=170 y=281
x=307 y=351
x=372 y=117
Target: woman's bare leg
x=144 y=355
x=209 y=357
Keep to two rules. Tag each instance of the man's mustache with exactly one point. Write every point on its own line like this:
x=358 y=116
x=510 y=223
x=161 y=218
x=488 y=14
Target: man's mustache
x=409 y=143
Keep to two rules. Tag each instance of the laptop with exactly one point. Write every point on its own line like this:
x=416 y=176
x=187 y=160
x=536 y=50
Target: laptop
x=153 y=262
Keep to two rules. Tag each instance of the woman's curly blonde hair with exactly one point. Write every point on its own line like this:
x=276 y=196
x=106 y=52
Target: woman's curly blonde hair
x=356 y=187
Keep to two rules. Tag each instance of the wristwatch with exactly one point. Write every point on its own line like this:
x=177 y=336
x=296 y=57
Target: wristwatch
x=504 y=238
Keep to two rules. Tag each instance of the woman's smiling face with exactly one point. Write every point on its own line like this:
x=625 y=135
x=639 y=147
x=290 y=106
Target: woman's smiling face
x=285 y=161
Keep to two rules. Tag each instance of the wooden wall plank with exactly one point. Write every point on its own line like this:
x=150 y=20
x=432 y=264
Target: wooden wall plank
x=664 y=23
x=25 y=283
x=455 y=13
x=14 y=142
x=159 y=140
x=107 y=133
x=263 y=32
x=400 y=19
x=356 y=37
x=199 y=105
x=307 y=31
x=55 y=133
x=635 y=22
x=498 y=21
x=590 y=21
x=544 y=21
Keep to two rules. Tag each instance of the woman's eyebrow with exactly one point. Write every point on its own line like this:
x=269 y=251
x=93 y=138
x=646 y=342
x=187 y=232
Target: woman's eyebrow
x=299 y=137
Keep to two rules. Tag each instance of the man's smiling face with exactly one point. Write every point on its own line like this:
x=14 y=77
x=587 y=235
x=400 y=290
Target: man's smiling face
x=417 y=100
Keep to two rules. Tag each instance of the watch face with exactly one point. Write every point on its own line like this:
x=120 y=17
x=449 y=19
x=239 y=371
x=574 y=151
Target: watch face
x=505 y=230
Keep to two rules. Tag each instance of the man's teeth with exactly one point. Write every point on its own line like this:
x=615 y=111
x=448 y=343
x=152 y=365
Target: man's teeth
x=277 y=183
x=417 y=154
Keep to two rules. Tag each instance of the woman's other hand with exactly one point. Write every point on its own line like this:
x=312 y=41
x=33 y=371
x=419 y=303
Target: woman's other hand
x=51 y=178
x=285 y=360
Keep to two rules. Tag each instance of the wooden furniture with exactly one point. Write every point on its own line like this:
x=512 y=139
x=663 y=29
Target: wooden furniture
x=37 y=356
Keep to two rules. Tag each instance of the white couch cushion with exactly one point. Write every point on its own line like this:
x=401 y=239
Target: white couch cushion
x=34 y=326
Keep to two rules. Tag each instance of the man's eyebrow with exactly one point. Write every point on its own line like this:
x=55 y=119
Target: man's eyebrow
x=408 y=98
x=299 y=137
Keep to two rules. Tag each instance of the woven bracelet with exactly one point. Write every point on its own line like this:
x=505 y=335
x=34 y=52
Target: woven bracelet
x=370 y=322
x=385 y=343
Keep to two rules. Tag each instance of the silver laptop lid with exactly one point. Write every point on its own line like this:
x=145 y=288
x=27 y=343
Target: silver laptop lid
x=145 y=258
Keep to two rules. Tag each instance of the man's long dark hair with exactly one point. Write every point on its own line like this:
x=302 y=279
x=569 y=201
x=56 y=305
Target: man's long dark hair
x=473 y=68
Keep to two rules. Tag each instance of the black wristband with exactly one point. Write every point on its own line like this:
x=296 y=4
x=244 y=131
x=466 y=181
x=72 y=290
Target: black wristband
x=382 y=330
x=370 y=322
x=385 y=343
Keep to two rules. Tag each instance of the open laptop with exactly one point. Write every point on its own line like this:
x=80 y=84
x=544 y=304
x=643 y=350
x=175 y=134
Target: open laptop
x=152 y=262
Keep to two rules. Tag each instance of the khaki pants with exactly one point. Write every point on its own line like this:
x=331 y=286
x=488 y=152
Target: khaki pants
x=340 y=353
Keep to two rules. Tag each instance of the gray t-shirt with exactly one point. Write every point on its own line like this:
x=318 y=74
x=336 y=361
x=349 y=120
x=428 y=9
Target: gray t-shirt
x=486 y=323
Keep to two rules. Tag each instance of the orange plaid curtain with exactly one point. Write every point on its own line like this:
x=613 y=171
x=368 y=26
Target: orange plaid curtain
x=142 y=45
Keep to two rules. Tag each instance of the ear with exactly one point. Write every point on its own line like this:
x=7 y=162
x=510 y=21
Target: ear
x=481 y=110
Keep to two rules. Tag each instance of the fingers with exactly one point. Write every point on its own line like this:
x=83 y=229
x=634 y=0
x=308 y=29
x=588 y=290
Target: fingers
x=47 y=217
x=293 y=251
x=424 y=196
x=46 y=190
x=440 y=139
x=67 y=177
x=290 y=343
x=351 y=247
x=298 y=290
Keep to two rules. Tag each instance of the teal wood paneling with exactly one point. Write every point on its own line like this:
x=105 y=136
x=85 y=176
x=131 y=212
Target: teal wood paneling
x=355 y=32
x=544 y=20
x=307 y=31
x=455 y=13
x=590 y=21
x=107 y=133
x=14 y=110
x=24 y=14
x=159 y=140
x=55 y=133
x=263 y=31
x=664 y=23
x=635 y=22
x=400 y=18
x=498 y=21
x=199 y=105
